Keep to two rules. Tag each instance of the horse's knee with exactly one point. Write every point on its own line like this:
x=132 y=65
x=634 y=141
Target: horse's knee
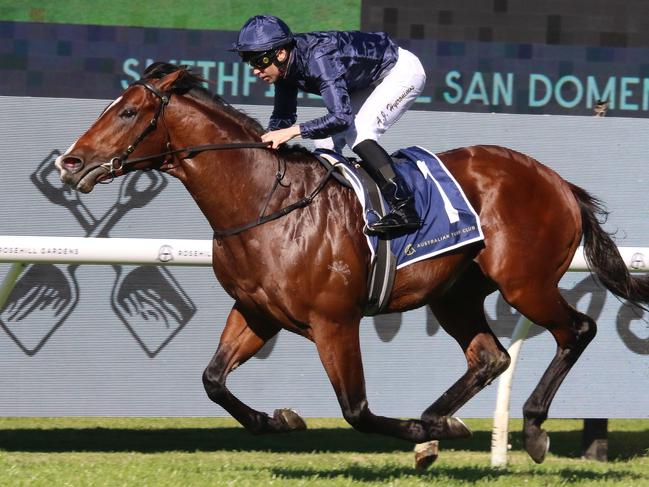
x=491 y=364
x=498 y=363
x=358 y=416
x=214 y=385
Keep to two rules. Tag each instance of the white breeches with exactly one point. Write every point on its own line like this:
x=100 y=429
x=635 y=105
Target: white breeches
x=378 y=107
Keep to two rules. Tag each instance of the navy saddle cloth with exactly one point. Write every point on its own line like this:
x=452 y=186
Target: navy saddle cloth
x=449 y=220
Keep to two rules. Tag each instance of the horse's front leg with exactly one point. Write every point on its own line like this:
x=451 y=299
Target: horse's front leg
x=241 y=339
x=339 y=350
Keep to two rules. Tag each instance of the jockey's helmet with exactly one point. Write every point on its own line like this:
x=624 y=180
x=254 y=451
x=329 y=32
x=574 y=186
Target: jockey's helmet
x=262 y=33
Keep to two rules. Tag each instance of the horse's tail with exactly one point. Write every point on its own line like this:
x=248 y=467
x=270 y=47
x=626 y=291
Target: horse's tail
x=602 y=254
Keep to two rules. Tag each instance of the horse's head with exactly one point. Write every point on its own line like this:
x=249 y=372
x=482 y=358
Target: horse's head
x=128 y=130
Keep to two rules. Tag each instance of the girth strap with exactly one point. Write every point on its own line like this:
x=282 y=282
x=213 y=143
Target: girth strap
x=383 y=269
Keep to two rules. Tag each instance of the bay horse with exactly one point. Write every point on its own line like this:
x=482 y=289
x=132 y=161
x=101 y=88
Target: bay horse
x=306 y=270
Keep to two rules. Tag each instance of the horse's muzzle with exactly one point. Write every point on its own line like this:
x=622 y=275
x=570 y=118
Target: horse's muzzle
x=71 y=164
x=76 y=173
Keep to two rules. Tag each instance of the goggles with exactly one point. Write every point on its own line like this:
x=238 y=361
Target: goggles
x=259 y=60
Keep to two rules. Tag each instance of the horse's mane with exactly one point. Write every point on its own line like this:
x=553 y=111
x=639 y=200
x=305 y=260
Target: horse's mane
x=192 y=84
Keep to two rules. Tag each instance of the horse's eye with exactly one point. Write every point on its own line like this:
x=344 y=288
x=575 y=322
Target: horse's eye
x=128 y=113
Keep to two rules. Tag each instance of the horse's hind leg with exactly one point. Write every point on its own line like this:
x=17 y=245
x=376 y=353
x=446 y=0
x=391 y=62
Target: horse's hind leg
x=461 y=313
x=572 y=332
x=239 y=342
x=339 y=349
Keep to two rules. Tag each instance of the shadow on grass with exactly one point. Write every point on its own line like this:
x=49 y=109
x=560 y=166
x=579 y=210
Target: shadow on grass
x=464 y=474
x=622 y=445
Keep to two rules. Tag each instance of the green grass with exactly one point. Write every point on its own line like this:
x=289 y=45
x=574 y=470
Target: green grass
x=200 y=451
x=188 y=14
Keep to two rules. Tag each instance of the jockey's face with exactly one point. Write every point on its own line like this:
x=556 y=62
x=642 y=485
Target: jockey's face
x=271 y=73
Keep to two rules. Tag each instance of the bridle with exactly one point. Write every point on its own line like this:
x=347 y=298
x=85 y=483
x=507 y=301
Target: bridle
x=119 y=165
x=122 y=164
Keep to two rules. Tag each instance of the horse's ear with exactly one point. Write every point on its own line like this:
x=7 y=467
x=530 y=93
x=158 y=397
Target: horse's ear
x=173 y=81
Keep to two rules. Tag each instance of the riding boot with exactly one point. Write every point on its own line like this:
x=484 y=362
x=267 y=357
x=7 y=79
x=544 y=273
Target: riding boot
x=403 y=217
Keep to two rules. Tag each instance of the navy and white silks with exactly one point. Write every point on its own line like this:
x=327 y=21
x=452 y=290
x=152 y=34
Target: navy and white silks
x=366 y=82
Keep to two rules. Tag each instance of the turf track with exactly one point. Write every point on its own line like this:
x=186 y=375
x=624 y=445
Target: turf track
x=202 y=451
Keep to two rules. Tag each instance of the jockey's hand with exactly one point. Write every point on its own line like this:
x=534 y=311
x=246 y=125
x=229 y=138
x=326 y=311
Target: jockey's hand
x=278 y=137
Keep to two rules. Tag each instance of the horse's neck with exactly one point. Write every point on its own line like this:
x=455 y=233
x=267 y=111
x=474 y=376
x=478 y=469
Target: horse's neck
x=230 y=186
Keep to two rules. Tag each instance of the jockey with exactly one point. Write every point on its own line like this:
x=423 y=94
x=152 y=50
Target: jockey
x=366 y=82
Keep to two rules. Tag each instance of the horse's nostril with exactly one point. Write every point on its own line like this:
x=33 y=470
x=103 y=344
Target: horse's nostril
x=72 y=163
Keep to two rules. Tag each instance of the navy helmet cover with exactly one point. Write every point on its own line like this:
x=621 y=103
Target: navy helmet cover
x=262 y=33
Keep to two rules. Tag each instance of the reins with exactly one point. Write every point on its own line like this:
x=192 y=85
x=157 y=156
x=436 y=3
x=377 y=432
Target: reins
x=123 y=164
x=197 y=149
x=279 y=213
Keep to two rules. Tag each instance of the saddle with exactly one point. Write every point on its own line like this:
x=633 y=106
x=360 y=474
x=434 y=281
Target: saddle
x=449 y=220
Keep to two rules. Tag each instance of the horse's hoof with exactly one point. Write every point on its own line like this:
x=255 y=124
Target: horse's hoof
x=290 y=419
x=457 y=428
x=426 y=454
x=538 y=446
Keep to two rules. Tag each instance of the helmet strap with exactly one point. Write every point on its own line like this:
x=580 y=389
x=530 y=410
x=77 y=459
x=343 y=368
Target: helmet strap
x=282 y=66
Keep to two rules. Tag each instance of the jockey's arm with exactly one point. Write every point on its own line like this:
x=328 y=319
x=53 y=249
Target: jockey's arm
x=281 y=127
x=285 y=106
x=339 y=117
x=339 y=107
